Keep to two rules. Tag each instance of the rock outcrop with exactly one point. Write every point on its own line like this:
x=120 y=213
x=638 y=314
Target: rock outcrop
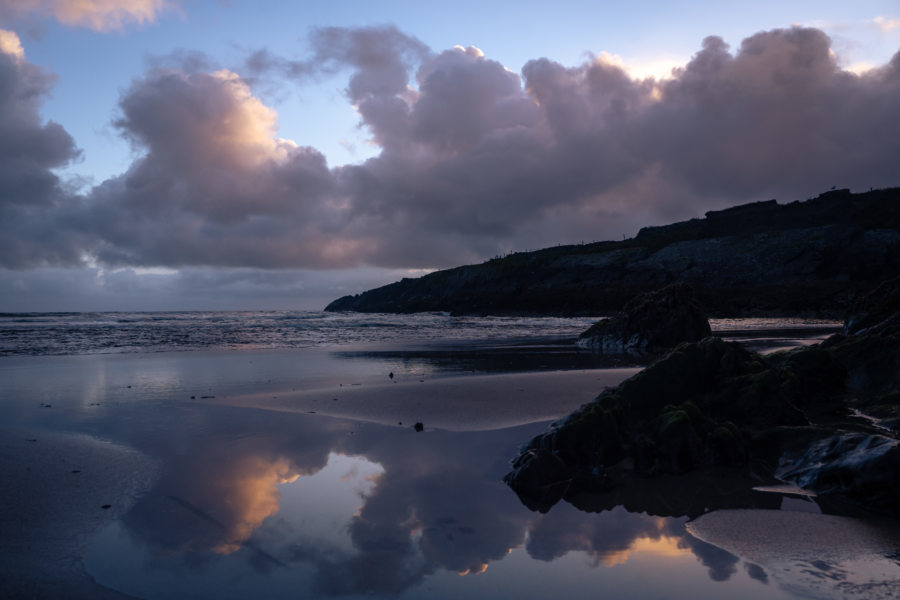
x=879 y=308
x=803 y=258
x=650 y=323
x=822 y=417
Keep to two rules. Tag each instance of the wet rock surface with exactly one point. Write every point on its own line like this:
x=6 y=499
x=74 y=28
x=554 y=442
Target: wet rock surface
x=822 y=417
x=878 y=308
x=650 y=323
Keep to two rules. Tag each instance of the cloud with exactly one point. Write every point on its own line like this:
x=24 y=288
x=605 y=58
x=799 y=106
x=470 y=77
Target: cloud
x=99 y=15
x=214 y=186
x=29 y=151
x=475 y=160
x=886 y=23
x=10 y=45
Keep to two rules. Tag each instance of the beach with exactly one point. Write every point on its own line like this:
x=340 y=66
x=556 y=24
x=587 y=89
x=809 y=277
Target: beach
x=225 y=473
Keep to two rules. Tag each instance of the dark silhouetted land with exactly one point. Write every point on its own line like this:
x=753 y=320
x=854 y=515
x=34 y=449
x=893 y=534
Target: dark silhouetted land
x=803 y=258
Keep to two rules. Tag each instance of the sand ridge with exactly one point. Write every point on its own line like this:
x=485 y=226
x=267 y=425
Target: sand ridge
x=461 y=403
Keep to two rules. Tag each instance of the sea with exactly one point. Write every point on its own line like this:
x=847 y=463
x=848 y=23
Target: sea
x=246 y=502
x=63 y=333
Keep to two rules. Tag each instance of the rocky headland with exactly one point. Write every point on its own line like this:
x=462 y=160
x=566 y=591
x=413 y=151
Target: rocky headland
x=825 y=418
x=802 y=258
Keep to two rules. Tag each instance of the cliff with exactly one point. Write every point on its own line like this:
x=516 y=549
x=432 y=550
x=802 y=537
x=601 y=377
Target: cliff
x=811 y=258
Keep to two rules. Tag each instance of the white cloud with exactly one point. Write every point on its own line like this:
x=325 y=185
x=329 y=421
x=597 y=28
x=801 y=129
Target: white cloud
x=886 y=23
x=10 y=44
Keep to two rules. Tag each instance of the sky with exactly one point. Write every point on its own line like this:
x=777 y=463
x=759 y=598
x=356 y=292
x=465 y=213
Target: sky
x=202 y=155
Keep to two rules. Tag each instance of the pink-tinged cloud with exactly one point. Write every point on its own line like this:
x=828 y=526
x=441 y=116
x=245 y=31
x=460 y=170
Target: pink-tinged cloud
x=475 y=160
x=214 y=184
x=99 y=15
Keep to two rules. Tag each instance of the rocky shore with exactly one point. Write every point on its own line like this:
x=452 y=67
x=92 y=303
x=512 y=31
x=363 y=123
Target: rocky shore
x=811 y=258
x=825 y=418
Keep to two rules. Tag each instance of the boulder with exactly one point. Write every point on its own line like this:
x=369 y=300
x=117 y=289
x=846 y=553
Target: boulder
x=852 y=466
x=879 y=309
x=650 y=323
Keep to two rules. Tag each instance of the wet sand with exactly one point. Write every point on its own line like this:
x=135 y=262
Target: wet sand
x=464 y=403
x=55 y=488
x=811 y=555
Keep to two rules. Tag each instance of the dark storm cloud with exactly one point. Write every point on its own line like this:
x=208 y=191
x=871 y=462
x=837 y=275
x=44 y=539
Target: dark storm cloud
x=29 y=151
x=779 y=115
x=475 y=159
x=29 y=147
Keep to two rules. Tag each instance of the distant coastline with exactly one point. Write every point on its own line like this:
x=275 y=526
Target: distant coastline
x=809 y=258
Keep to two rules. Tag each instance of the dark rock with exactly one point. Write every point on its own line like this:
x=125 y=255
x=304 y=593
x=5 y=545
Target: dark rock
x=853 y=466
x=650 y=323
x=677 y=495
x=541 y=478
x=419 y=427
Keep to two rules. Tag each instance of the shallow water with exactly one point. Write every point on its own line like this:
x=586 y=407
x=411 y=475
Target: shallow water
x=257 y=503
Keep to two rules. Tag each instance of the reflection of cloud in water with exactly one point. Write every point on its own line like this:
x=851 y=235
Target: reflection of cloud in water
x=375 y=510
x=214 y=497
x=613 y=536
x=438 y=505
x=661 y=546
x=252 y=495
